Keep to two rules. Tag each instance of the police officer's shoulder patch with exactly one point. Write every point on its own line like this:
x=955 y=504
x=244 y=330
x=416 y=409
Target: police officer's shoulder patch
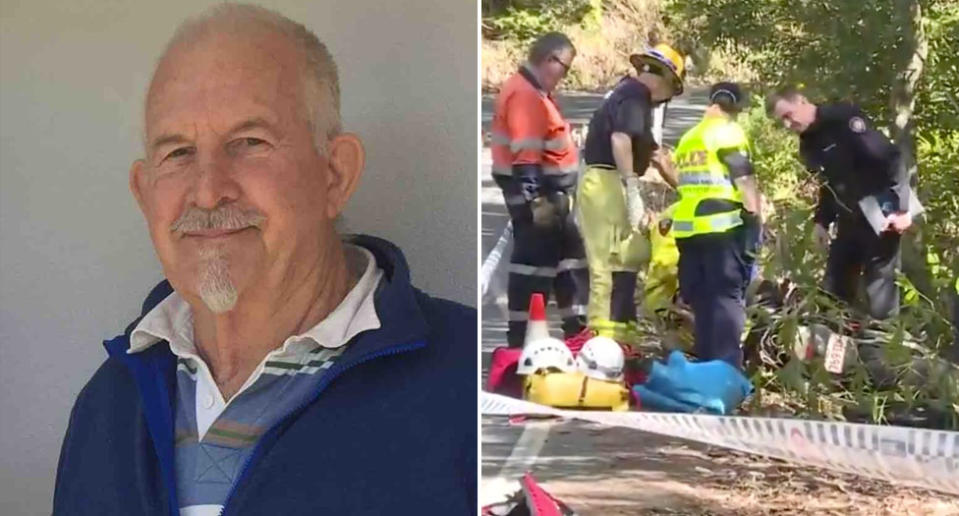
x=857 y=124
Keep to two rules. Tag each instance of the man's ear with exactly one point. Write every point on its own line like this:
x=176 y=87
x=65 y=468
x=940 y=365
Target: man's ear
x=138 y=182
x=346 y=161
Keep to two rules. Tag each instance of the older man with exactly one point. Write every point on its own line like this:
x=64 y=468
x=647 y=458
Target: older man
x=535 y=163
x=281 y=369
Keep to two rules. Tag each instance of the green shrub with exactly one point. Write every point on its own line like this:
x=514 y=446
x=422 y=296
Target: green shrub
x=527 y=20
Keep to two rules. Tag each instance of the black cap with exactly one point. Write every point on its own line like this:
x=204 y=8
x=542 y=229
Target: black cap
x=728 y=90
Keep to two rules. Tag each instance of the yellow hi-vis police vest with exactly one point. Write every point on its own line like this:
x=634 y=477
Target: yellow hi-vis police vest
x=702 y=175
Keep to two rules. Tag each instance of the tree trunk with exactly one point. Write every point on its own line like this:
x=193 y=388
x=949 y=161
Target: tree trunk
x=902 y=102
x=903 y=98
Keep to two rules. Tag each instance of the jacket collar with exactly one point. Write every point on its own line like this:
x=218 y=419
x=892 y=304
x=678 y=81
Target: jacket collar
x=527 y=72
x=817 y=122
x=827 y=114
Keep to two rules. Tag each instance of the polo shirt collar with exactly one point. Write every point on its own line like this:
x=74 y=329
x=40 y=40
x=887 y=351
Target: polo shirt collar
x=172 y=319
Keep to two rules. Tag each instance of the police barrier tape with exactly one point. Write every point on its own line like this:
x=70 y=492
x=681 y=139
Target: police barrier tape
x=907 y=456
x=493 y=258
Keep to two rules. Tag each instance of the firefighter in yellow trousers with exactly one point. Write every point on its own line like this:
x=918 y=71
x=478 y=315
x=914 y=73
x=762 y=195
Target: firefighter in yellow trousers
x=619 y=148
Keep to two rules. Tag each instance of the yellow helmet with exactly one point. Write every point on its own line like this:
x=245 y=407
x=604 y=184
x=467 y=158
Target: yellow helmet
x=665 y=57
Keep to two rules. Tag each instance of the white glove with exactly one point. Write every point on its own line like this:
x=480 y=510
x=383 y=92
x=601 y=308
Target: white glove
x=634 y=202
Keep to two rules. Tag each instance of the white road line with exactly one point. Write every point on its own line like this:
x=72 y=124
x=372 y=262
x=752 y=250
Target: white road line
x=526 y=449
x=520 y=460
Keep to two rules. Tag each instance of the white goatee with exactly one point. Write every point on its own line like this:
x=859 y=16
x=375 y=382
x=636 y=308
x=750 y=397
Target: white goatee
x=216 y=288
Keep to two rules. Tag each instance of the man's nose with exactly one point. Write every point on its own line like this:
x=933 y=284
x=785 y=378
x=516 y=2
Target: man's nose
x=215 y=183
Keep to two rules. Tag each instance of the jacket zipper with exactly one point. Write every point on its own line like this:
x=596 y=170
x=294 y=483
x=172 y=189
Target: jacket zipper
x=331 y=375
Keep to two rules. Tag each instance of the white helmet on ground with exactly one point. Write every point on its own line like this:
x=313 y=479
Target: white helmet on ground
x=601 y=358
x=545 y=353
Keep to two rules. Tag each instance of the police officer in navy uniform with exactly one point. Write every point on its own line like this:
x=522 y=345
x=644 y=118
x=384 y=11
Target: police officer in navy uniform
x=838 y=142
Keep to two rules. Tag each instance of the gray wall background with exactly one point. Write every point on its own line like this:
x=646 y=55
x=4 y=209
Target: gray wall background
x=75 y=257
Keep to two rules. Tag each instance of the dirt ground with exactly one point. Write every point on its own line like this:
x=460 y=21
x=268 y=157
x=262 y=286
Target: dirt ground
x=613 y=471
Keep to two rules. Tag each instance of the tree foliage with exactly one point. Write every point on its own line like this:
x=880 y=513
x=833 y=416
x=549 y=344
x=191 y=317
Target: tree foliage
x=897 y=59
x=837 y=49
x=937 y=107
x=524 y=20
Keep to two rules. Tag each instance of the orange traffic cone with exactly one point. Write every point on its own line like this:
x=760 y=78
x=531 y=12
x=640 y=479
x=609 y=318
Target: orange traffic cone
x=536 y=327
x=502 y=371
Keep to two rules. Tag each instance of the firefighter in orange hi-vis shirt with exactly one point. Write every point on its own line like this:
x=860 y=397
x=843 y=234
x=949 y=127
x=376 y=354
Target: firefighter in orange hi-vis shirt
x=535 y=163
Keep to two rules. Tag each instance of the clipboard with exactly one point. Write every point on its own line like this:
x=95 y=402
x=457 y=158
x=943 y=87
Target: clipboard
x=876 y=207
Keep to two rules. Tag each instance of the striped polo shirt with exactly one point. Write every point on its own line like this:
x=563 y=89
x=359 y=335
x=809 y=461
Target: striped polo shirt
x=214 y=437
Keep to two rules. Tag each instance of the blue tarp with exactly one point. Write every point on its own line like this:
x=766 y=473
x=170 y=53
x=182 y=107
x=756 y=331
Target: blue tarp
x=683 y=386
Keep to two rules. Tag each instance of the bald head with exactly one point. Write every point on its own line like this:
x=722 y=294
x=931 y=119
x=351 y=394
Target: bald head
x=231 y=37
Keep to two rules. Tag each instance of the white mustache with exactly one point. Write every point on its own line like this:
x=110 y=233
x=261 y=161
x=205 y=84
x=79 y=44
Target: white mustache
x=226 y=217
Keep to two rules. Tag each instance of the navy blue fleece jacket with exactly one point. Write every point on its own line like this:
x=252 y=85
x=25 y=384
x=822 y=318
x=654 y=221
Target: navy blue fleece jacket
x=392 y=430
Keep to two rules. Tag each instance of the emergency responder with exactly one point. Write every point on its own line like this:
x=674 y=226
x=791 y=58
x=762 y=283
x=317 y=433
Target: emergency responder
x=619 y=148
x=716 y=224
x=839 y=143
x=536 y=163
x=662 y=281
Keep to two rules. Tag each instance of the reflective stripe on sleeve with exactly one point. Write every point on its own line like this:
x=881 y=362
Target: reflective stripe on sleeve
x=530 y=270
x=572 y=264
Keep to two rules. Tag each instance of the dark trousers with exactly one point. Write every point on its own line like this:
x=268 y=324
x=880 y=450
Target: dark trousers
x=548 y=255
x=713 y=271
x=858 y=250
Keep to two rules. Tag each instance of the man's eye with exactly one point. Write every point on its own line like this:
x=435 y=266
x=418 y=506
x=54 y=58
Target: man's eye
x=179 y=153
x=248 y=143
